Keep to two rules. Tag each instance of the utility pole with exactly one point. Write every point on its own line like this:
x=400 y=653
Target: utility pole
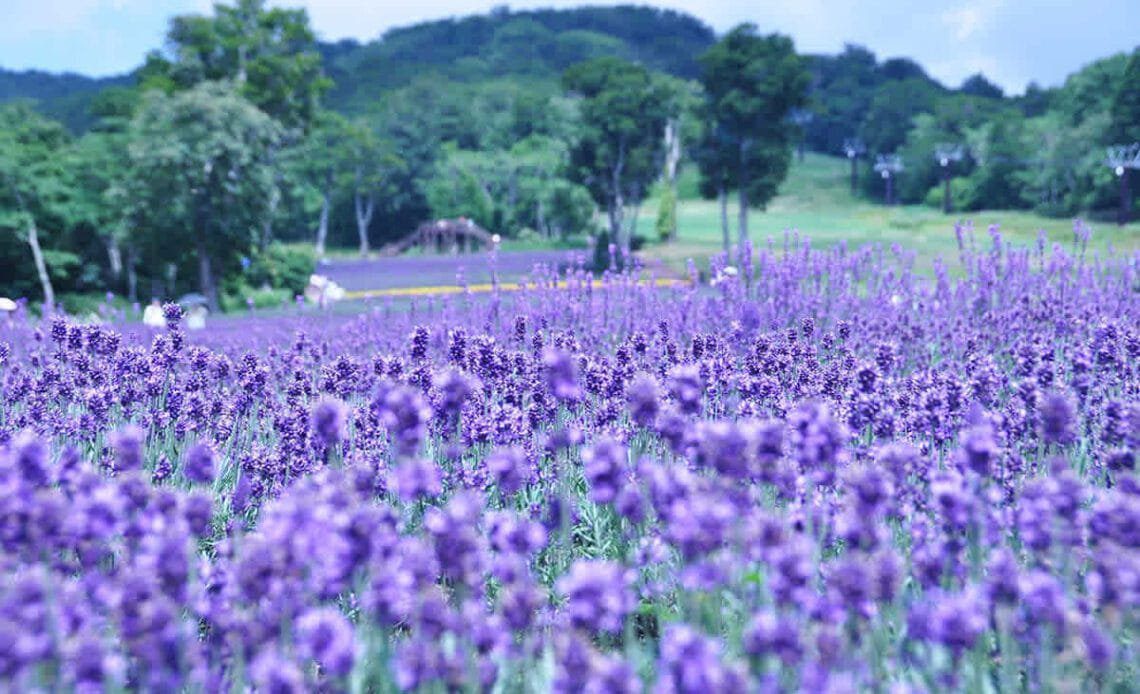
x=854 y=148
x=801 y=117
x=945 y=155
x=1120 y=159
x=888 y=165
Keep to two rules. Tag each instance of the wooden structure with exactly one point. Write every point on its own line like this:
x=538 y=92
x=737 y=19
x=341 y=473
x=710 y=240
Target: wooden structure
x=445 y=236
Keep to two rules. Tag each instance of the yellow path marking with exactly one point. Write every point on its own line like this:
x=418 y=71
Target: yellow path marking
x=502 y=286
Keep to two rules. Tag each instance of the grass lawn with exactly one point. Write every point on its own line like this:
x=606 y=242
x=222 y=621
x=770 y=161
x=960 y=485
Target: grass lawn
x=816 y=200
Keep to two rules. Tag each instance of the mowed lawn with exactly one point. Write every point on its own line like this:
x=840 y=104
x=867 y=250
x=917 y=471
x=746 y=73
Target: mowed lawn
x=816 y=201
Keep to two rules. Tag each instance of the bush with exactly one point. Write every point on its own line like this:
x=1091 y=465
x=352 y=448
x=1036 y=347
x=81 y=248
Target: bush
x=961 y=194
x=85 y=304
x=237 y=297
x=281 y=267
x=667 y=215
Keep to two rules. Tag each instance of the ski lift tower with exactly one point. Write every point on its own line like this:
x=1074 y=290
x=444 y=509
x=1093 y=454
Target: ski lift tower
x=946 y=155
x=888 y=166
x=1120 y=159
x=854 y=148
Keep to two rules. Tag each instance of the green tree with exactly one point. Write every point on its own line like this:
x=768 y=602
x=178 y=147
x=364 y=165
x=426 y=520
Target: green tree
x=269 y=53
x=888 y=118
x=31 y=184
x=1125 y=108
x=205 y=154
x=752 y=82
x=323 y=163
x=616 y=156
x=374 y=167
x=998 y=147
x=716 y=160
x=94 y=167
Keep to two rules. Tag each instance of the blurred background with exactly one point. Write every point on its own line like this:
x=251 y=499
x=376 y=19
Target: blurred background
x=149 y=149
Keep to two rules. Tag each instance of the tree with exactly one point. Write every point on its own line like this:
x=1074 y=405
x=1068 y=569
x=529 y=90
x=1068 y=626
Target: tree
x=682 y=125
x=978 y=85
x=618 y=151
x=894 y=106
x=842 y=88
x=322 y=162
x=270 y=54
x=373 y=166
x=30 y=181
x=1125 y=108
x=93 y=168
x=205 y=153
x=716 y=161
x=752 y=83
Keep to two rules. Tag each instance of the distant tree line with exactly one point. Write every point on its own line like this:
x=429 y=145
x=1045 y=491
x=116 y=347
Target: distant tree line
x=243 y=132
x=1043 y=150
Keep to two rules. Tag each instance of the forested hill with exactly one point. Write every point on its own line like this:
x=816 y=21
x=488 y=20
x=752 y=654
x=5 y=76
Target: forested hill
x=529 y=45
x=533 y=44
x=65 y=97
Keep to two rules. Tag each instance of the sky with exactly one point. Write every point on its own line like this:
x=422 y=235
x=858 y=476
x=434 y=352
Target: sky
x=1012 y=42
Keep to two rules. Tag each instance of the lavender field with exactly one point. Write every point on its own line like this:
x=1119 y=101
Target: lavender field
x=828 y=471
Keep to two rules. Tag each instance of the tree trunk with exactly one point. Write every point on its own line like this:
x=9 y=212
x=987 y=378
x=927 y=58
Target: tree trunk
x=743 y=191
x=115 y=257
x=540 y=220
x=365 y=206
x=266 y=235
x=132 y=275
x=41 y=265
x=672 y=160
x=743 y=201
x=206 y=283
x=722 y=200
x=946 y=191
x=323 y=225
x=854 y=175
x=633 y=219
x=617 y=202
x=1124 y=198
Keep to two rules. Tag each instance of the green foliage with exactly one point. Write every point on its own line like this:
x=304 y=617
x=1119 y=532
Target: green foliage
x=885 y=126
x=998 y=148
x=1090 y=90
x=67 y=98
x=238 y=296
x=978 y=85
x=32 y=199
x=269 y=53
x=457 y=192
x=961 y=194
x=282 y=267
x=567 y=209
x=617 y=156
x=202 y=179
x=751 y=83
x=667 y=214
x=1125 y=108
x=535 y=44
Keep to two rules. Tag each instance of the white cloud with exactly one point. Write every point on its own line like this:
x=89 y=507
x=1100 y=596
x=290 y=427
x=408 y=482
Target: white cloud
x=967 y=20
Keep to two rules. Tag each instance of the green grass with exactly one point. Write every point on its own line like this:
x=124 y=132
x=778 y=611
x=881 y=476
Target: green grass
x=816 y=200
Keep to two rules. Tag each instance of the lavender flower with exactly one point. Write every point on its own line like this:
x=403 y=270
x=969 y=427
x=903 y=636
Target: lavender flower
x=598 y=595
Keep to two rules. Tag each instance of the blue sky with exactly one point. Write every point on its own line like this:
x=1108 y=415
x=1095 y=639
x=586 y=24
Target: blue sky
x=1011 y=41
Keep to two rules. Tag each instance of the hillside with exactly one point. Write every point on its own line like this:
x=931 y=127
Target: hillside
x=65 y=97
x=536 y=44
x=532 y=46
x=815 y=201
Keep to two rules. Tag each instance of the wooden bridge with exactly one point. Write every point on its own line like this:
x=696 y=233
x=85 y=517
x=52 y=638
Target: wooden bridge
x=445 y=236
